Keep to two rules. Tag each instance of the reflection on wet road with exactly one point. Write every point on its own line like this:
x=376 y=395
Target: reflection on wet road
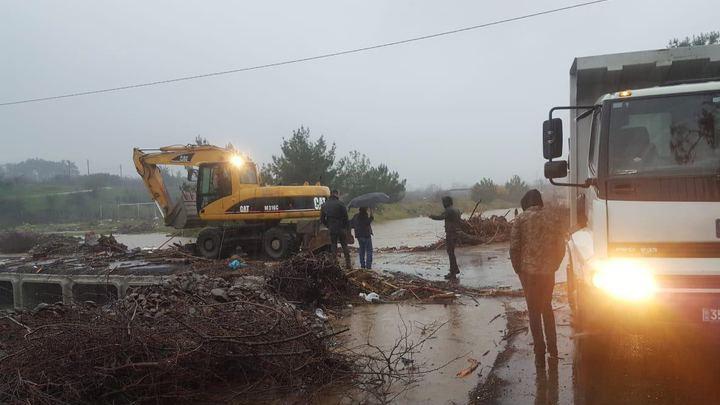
x=673 y=365
x=468 y=333
x=666 y=368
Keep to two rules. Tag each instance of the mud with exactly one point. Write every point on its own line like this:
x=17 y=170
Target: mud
x=471 y=330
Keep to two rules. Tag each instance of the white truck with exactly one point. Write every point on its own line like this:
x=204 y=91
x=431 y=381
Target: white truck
x=644 y=178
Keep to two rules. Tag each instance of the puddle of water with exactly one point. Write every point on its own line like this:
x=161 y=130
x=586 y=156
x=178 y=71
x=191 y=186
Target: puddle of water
x=467 y=333
x=480 y=266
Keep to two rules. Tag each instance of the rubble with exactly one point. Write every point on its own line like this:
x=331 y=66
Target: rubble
x=166 y=343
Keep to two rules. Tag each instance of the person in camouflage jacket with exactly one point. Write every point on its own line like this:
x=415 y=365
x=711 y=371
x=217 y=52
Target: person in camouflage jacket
x=536 y=251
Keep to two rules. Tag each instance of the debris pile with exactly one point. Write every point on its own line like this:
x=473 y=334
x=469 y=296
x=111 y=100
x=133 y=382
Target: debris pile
x=311 y=280
x=401 y=288
x=49 y=244
x=487 y=230
x=166 y=343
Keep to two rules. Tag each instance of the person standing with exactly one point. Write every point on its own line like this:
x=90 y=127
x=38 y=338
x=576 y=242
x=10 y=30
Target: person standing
x=361 y=222
x=334 y=216
x=536 y=250
x=451 y=216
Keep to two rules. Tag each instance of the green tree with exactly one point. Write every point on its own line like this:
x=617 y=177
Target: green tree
x=516 y=188
x=485 y=190
x=356 y=175
x=705 y=38
x=302 y=159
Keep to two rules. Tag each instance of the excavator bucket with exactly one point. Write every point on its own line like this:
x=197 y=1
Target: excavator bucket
x=184 y=213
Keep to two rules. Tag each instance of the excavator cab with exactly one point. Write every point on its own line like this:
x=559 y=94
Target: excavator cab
x=217 y=180
x=213 y=182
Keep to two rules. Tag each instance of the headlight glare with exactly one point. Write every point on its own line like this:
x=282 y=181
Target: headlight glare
x=624 y=279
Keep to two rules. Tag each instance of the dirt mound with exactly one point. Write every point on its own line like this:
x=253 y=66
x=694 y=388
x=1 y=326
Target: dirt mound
x=164 y=344
x=17 y=241
x=312 y=280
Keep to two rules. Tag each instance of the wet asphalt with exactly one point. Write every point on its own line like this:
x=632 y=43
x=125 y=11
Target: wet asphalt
x=668 y=365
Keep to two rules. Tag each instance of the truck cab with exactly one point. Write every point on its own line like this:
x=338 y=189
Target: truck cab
x=643 y=173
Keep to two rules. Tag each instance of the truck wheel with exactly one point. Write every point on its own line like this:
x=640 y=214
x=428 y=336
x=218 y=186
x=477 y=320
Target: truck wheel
x=209 y=243
x=278 y=243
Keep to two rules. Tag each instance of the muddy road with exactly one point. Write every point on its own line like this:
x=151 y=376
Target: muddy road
x=670 y=365
x=673 y=365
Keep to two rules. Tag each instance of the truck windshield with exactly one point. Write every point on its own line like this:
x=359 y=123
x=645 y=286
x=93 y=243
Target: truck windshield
x=672 y=135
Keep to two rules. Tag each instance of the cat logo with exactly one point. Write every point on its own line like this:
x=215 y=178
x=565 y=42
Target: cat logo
x=185 y=157
x=318 y=202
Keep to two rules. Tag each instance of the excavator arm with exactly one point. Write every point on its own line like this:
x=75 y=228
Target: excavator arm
x=147 y=162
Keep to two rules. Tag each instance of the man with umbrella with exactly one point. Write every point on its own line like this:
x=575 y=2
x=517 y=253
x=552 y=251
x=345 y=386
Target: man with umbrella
x=451 y=216
x=334 y=216
x=362 y=221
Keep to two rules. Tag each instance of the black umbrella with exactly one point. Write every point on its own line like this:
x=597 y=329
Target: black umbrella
x=370 y=200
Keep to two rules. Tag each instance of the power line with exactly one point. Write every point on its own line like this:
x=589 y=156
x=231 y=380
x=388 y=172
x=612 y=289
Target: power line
x=307 y=59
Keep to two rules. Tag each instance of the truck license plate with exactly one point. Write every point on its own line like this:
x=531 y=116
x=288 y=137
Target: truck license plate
x=711 y=314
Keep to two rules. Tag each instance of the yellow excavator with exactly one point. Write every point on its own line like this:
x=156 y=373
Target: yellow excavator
x=231 y=205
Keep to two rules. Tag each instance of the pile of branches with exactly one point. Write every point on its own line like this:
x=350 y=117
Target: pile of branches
x=487 y=230
x=55 y=244
x=105 y=244
x=402 y=287
x=311 y=280
x=162 y=344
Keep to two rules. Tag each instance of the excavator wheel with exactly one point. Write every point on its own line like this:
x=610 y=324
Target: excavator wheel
x=209 y=243
x=278 y=242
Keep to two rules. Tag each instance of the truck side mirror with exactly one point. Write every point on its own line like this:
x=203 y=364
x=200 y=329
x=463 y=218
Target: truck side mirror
x=556 y=170
x=552 y=139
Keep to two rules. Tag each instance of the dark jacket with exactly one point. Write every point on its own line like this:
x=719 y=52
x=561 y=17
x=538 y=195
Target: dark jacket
x=451 y=215
x=334 y=216
x=361 y=224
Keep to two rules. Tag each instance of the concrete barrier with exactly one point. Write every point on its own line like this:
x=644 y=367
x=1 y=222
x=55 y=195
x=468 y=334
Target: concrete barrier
x=26 y=291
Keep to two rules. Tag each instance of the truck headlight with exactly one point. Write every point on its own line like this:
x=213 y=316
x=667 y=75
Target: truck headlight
x=624 y=279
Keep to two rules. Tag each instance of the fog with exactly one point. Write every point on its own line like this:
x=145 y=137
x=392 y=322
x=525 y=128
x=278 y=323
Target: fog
x=444 y=111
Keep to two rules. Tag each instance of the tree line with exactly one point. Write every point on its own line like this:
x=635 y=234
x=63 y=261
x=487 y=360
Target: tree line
x=487 y=191
x=304 y=159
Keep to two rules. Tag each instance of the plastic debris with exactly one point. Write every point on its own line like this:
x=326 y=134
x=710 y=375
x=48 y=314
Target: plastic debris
x=237 y=264
x=321 y=314
x=370 y=297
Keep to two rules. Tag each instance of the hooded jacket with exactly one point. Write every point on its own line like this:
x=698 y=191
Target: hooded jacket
x=451 y=215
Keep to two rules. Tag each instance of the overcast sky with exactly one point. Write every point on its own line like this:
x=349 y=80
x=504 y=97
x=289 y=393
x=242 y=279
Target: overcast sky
x=443 y=111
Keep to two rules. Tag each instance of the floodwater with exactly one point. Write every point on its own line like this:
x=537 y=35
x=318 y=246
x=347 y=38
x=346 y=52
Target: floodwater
x=468 y=331
x=480 y=266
